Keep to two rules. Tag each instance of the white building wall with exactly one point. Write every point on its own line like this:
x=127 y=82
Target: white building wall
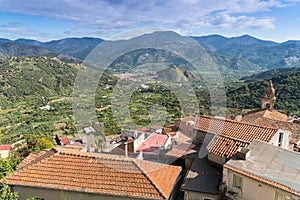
x=138 y=141
x=252 y=189
x=51 y=194
x=190 y=195
x=285 y=138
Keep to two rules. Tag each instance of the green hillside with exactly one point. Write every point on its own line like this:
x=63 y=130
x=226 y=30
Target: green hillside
x=269 y=74
x=75 y=47
x=23 y=78
x=17 y=49
x=287 y=92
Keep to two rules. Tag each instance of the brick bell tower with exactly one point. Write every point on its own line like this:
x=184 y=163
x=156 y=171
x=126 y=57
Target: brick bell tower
x=269 y=97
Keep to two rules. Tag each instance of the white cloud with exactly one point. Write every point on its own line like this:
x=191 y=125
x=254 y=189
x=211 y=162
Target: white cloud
x=180 y=14
x=224 y=20
x=21 y=32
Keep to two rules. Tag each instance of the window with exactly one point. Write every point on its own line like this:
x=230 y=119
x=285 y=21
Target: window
x=280 y=139
x=237 y=181
x=281 y=196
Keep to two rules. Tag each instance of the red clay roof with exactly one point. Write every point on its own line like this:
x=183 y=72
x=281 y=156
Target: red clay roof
x=231 y=135
x=156 y=127
x=180 y=149
x=273 y=115
x=5 y=147
x=225 y=147
x=152 y=143
x=233 y=129
x=97 y=173
x=30 y=158
x=143 y=130
x=64 y=140
x=73 y=147
x=294 y=128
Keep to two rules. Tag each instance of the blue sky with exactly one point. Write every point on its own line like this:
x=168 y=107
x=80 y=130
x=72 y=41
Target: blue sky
x=47 y=20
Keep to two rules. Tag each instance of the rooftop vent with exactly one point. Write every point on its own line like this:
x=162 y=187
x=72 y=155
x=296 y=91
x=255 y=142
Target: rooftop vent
x=243 y=153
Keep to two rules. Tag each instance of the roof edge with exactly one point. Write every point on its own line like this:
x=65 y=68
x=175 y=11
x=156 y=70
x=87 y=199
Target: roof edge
x=263 y=180
x=234 y=121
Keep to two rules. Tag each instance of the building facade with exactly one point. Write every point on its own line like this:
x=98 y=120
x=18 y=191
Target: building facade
x=268 y=172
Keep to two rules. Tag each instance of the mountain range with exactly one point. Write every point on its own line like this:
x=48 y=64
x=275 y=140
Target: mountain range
x=264 y=54
x=78 y=48
x=235 y=56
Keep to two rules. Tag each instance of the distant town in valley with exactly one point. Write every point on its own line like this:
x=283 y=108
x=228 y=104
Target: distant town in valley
x=243 y=147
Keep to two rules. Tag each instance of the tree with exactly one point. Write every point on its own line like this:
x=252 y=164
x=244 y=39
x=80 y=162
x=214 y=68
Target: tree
x=6 y=193
x=8 y=165
x=43 y=143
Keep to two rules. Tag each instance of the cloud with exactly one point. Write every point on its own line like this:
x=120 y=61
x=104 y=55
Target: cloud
x=113 y=15
x=11 y=24
x=21 y=32
x=224 y=20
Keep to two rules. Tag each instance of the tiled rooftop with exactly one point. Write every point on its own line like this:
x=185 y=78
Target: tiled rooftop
x=64 y=140
x=5 y=147
x=231 y=135
x=97 y=173
x=73 y=147
x=225 y=147
x=254 y=118
x=273 y=115
x=272 y=165
x=180 y=149
x=233 y=129
x=152 y=143
x=31 y=157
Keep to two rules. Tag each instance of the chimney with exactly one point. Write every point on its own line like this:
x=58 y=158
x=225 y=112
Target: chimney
x=126 y=149
x=243 y=153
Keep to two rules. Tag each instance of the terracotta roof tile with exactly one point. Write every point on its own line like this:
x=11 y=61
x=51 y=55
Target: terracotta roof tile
x=236 y=130
x=97 y=173
x=273 y=115
x=231 y=135
x=5 y=147
x=152 y=143
x=180 y=149
x=225 y=147
x=64 y=140
x=73 y=147
x=261 y=121
x=143 y=130
x=34 y=157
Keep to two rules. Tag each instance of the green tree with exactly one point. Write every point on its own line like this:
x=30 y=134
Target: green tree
x=8 y=165
x=6 y=193
x=43 y=143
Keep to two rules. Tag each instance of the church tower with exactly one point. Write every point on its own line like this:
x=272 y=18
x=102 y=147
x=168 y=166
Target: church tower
x=269 y=97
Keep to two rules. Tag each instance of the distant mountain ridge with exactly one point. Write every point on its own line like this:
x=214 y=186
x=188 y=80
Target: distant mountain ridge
x=265 y=54
x=12 y=49
x=75 y=47
x=221 y=43
x=236 y=56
